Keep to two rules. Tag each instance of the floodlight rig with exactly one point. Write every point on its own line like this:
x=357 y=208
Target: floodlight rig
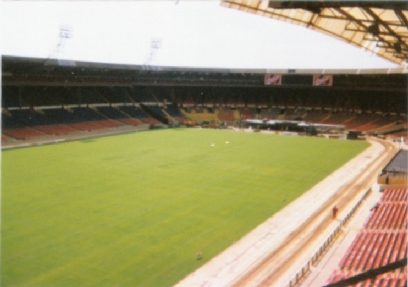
x=154 y=47
x=65 y=33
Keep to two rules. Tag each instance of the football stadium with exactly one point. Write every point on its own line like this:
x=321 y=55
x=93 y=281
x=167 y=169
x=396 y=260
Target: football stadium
x=145 y=175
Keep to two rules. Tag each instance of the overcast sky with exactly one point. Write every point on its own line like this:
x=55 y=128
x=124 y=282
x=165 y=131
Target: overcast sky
x=188 y=33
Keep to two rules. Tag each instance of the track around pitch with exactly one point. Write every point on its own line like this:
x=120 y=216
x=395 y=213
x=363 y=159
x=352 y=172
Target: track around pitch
x=286 y=255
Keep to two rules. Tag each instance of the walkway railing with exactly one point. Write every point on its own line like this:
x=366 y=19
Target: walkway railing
x=307 y=266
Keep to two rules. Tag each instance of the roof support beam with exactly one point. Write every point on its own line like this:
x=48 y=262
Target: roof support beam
x=382 y=23
x=401 y=16
x=314 y=5
x=351 y=18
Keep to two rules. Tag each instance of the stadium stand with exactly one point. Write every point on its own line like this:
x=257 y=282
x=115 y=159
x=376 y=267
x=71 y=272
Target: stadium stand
x=10 y=98
x=241 y=101
x=189 y=101
x=12 y=127
x=112 y=95
x=337 y=118
x=139 y=114
x=381 y=241
x=53 y=97
x=247 y=113
x=269 y=114
x=293 y=114
x=142 y=95
x=374 y=111
x=78 y=118
x=398 y=135
x=226 y=115
x=201 y=117
x=174 y=112
x=65 y=96
x=88 y=95
x=8 y=122
x=161 y=94
x=154 y=110
x=315 y=116
x=39 y=121
x=31 y=118
x=23 y=133
x=361 y=120
x=112 y=113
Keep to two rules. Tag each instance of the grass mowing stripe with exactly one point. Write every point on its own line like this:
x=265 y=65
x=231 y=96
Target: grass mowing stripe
x=133 y=209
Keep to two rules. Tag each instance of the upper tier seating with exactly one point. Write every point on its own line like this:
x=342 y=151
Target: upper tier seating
x=88 y=95
x=142 y=95
x=10 y=98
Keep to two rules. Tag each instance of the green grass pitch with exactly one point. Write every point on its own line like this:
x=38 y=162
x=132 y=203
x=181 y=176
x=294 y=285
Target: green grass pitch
x=133 y=209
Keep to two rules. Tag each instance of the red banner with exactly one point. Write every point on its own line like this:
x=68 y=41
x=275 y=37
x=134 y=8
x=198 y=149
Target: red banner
x=322 y=80
x=272 y=79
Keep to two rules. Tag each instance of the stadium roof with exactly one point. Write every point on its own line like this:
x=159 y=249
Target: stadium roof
x=17 y=71
x=12 y=65
x=378 y=26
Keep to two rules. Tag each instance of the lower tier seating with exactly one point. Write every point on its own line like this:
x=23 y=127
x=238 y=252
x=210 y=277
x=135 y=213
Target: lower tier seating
x=381 y=241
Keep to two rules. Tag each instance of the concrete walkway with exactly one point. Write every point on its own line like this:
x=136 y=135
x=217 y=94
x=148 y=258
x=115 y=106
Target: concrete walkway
x=330 y=260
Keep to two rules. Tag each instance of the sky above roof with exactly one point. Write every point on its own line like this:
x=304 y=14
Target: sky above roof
x=171 y=33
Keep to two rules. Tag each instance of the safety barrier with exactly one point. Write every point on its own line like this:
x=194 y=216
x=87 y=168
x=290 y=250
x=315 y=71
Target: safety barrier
x=307 y=266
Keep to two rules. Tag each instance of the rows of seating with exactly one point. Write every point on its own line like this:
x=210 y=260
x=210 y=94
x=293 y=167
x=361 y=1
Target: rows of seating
x=64 y=108
x=28 y=123
x=315 y=117
x=387 y=280
x=23 y=133
x=372 y=249
x=398 y=135
x=381 y=241
x=226 y=115
x=269 y=114
x=389 y=215
x=56 y=110
x=174 y=112
x=15 y=97
x=247 y=113
x=57 y=129
x=337 y=119
x=293 y=114
x=142 y=95
x=360 y=122
x=395 y=195
x=112 y=113
x=369 y=121
x=139 y=114
x=156 y=110
x=111 y=95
